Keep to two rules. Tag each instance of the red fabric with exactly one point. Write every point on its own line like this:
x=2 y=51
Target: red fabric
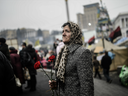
x=91 y=39
x=112 y=33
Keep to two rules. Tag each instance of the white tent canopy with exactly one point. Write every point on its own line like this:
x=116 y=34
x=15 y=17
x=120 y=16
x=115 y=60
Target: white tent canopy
x=108 y=46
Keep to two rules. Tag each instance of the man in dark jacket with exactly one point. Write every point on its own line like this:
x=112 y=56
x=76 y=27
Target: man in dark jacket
x=7 y=79
x=4 y=48
x=23 y=55
x=30 y=66
x=105 y=63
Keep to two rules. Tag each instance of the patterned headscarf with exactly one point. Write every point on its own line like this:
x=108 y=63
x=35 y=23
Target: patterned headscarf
x=76 y=38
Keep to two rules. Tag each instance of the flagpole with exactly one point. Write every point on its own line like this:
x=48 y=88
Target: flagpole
x=66 y=1
x=102 y=29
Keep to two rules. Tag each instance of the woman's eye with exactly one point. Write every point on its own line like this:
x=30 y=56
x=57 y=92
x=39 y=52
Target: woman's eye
x=67 y=31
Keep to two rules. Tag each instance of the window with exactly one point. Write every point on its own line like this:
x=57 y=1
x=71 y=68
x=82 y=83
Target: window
x=127 y=33
x=126 y=22
x=123 y=23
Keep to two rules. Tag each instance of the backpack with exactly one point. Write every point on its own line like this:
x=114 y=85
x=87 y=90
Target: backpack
x=28 y=57
x=124 y=75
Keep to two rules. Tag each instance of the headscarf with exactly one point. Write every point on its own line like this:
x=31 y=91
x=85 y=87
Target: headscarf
x=76 y=38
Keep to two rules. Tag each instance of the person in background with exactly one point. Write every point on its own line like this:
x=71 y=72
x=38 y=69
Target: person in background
x=60 y=45
x=17 y=67
x=7 y=79
x=96 y=65
x=105 y=64
x=50 y=52
x=38 y=57
x=42 y=54
x=47 y=58
x=30 y=65
x=54 y=46
x=4 y=48
x=73 y=66
x=23 y=55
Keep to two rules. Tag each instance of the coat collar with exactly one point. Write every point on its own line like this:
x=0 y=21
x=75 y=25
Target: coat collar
x=73 y=47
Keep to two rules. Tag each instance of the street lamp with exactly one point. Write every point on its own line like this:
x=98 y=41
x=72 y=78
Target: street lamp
x=66 y=1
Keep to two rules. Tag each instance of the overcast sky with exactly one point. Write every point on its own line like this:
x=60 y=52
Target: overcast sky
x=48 y=14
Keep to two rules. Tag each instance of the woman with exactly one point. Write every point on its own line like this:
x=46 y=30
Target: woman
x=74 y=64
x=17 y=67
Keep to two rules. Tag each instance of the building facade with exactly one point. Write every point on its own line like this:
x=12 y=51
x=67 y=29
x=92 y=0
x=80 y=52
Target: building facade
x=122 y=21
x=88 y=20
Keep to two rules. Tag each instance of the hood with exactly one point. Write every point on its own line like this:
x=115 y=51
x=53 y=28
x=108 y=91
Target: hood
x=13 y=51
x=29 y=49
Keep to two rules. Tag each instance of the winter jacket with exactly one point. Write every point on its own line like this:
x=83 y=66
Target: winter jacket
x=16 y=64
x=96 y=64
x=78 y=73
x=30 y=65
x=7 y=79
x=106 y=62
x=4 y=49
x=23 y=57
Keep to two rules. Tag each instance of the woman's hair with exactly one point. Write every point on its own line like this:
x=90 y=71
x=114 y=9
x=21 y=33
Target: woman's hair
x=76 y=34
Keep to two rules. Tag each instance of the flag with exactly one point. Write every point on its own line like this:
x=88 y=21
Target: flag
x=91 y=40
x=116 y=33
x=37 y=43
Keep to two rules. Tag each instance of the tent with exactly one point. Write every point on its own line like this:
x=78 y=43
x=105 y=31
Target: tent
x=121 y=53
x=108 y=46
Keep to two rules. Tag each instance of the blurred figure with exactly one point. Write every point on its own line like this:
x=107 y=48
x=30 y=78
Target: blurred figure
x=30 y=65
x=42 y=54
x=55 y=45
x=4 y=48
x=17 y=67
x=60 y=45
x=123 y=76
x=50 y=52
x=96 y=65
x=7 y=79
x=38 y=57
x=105 y=63
x=23 y=55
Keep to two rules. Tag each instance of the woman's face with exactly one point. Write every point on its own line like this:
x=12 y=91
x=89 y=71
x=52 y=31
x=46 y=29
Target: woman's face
x=66 y=34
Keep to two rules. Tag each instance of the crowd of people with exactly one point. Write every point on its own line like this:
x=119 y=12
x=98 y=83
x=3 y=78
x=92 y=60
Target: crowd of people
x=17 y=63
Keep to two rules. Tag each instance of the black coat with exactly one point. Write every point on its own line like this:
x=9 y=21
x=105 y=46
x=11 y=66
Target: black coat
x=30 y=65
x=7 y=79
x=106 y=62
x=23 y=57
x=4 y=49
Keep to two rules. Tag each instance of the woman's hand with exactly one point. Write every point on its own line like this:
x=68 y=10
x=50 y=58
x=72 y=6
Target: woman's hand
x=53 y=84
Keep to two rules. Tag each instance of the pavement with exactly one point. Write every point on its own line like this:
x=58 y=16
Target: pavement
x=101 y=87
